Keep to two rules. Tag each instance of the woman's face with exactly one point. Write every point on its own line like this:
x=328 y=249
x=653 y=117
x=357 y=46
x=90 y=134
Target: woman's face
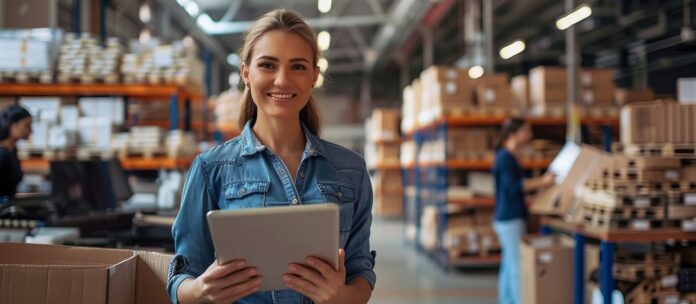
x=280 y=74
x=21 y=129
x=524 y=134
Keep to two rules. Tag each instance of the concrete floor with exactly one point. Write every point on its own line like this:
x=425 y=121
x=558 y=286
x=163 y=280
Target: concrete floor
x=405 y=276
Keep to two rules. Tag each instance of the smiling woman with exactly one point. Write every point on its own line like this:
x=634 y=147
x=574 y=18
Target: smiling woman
x=278 y=160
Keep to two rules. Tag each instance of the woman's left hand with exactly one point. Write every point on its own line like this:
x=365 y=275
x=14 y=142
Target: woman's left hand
x=318 y=281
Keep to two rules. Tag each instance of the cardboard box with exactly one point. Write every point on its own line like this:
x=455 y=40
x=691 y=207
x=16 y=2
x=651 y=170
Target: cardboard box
x=388 y=153
x=32 y=273
x=388 y=205
x=385 y=124
x=638 y=123
x=481 y=183
x=559 y=199
x=624 y=96
x=484 y=217
x=596 y=78
x=388 y=181
x=597 y=96
x=547 y=86
x=494 y=96
x=547 y=262
x=520 y=91
x=444 y=89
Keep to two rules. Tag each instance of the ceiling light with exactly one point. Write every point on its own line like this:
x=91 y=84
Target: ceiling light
x=579 y=14
x=192 y=8
x=476 y=72
x=145 y=14
x=183 y=3
x=145 y=36
x=324 y=6
x=323 y=64
x=324 y=40
x=512 y=49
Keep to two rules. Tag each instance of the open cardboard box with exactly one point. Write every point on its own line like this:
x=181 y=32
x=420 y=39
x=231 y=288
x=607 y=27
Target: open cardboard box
x=33 y=273
x=573 y=166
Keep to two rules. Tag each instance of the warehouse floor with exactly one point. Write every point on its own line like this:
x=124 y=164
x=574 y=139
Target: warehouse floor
x=406 y=276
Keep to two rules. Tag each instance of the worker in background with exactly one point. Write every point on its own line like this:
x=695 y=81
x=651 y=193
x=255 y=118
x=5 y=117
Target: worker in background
x=15 y=124
x=510 y=208
x=278 y=160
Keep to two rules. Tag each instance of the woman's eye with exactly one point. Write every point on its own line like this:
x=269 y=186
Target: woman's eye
x=266 y=65
x=299 y=67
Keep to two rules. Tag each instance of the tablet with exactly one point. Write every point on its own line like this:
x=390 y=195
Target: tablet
x=272 y=238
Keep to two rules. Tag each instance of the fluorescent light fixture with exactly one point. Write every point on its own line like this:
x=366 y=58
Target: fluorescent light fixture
x=579 y=14
x=233 y=59
x=512 y=49
x=323 y=64
x=476 y=72
x=183 y=3
x=324 y=40
x=320 y=82
x=144 y=13
x=324 y=6
x=192 y=8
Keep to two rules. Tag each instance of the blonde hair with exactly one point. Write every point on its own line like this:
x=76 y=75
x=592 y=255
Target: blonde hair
x=291 y=22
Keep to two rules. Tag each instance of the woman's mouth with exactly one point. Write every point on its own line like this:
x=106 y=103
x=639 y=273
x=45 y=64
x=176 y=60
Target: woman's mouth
x=281 y=96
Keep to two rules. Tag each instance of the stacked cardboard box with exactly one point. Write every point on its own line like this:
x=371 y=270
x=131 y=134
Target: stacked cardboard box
x=623 y=96
x=407 y=154
x=170 y=64
x=520 y=92
x=471 y=143
x=445 y=90
x=428 y=227
x=384 y=125
x=83 y=59
x=411 y=107
x=471 y=234
x=388 y=194
x=549 y=89
x=493 y=95
x=647 y=277
x=29 y=55
x=549 y=261
x=658 y=122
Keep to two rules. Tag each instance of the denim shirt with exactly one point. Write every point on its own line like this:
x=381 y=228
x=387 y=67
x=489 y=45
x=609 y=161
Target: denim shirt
x=243 y=173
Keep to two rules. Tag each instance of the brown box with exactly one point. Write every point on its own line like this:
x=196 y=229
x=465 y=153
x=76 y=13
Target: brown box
x=385 y=124
x=548 y=263
x=596 y=78
x=520 y=91
x=388 y=205
x=638 y=123
x=461 y=220
x=494 y=96
x=388 y=153
x=484 y=217
x=600 y=96
x=547 y=86
x=388 y=181
x=33 y=273
x=624 y=96
x=688 y=174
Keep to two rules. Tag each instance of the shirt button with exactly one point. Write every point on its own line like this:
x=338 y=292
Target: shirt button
x=294 y=201
x=340 y=194
x=242 y=190
x=301 y=174
x=312 y=151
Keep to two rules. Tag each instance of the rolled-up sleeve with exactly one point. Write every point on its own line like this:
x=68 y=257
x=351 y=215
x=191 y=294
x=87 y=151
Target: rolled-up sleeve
x=192 y=241
x=360 y=260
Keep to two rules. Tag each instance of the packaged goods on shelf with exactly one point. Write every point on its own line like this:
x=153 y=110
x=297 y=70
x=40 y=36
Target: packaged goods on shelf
x=471 y=143
x=623 y=96
x=62 y=138
x=492 y=92
x=388 y=205
x=549 y=88
x=95 y=132
x=162 y=64
x=549 y=260
x=407 y=153
x=658 y=122
x=145 y=137
x=428 y=226
x=69 y=115
x=470 y=234
x=444 y=90
x=109 y=107
x=227 y=109
x=412 y=96
x=520 y=91
x=382 y=154
x=384 y=125
x=481 y=183
x=686 y=90
x=388 y=181
x=44 y=109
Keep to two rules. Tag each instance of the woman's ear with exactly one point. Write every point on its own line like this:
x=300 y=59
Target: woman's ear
x=245 y=74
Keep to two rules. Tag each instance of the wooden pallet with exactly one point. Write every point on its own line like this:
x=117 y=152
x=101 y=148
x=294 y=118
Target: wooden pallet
x=606 y=222
x=640 y=175
x=667 y=150
x=45 y=153
x=640 y=188
x=482 y=253
x=647 y=258
x=644 y=162
x=26 y=77
x=610 y=199
x=638 y=272
x=90 y=153
x=625 y=213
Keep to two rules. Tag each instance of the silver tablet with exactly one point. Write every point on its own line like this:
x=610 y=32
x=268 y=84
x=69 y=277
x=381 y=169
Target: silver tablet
x=272 y=238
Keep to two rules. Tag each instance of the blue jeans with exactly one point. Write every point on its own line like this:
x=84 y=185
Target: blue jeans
x=509 y=235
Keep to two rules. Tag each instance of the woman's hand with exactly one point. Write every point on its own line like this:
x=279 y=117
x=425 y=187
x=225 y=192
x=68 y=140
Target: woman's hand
x=222 y=283
x=548 y=179
x=319 y=281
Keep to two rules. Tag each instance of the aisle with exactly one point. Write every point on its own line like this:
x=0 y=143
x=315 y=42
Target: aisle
x=404 y=276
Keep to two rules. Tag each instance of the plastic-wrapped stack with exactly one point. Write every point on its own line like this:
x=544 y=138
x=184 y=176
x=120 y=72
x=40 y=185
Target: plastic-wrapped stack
x=103 y=64
x=162 y=64
x=73 y=60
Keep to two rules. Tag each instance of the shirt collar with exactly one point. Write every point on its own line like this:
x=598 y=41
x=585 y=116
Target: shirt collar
x=251 y=145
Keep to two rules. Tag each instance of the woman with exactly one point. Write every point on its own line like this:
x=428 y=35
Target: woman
x=15 y=124
x=510 y=208
x=277 y=160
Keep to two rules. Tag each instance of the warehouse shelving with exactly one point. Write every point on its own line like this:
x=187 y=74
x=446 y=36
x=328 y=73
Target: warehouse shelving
x=179 y=99
x=608 y=241
x=430 y=179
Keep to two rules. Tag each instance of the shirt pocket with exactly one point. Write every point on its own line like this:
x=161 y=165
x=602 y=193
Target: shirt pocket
x=245 y=194
x=344 y=196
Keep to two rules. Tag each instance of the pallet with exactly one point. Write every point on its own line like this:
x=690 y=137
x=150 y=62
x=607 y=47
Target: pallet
x=481 y=111
x=45 y=153
x=668 y=150
x=26 y=77
x=638 y=272
x=647 y=258
x=610 y=199
x=482 y=253
x=625 y=213
x=644 y=162
x=88 y=153
x=606 y=222
x=640 y=175
x=641 y=188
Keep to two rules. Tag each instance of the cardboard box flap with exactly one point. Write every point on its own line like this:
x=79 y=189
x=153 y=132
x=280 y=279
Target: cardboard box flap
x=151 y=278
x=37 y=254
x=53 y=285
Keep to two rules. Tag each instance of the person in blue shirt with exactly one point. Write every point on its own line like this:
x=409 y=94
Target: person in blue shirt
x=278 y=160
x=510 y=208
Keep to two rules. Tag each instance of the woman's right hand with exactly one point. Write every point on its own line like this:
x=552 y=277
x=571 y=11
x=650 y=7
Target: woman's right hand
x=222 y=283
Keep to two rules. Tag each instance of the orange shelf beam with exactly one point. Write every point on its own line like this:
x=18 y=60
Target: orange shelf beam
x=130 y=90
x=131 y=163
x=474 y=202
